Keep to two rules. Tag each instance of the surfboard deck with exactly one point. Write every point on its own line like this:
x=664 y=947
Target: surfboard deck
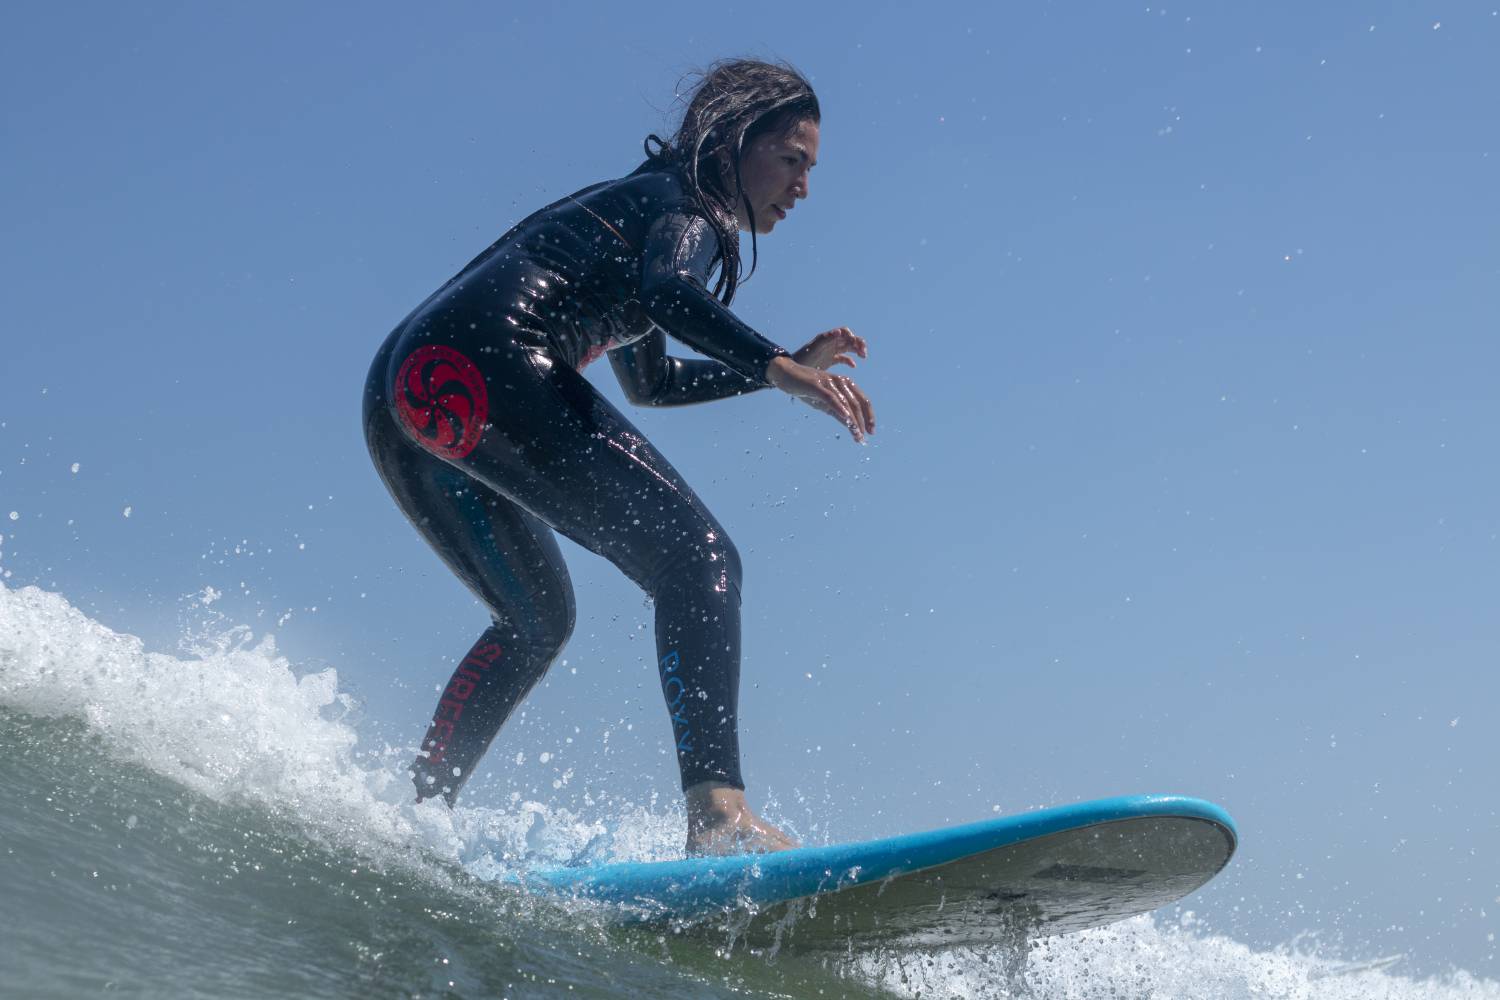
x=1053 y=871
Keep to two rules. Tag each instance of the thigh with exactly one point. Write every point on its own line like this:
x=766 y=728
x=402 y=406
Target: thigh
x=583 y=468
x=506 y=557
x=501 y=409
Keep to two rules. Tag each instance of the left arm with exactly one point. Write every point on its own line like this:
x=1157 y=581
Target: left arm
x=650 y=377
x=681 y=248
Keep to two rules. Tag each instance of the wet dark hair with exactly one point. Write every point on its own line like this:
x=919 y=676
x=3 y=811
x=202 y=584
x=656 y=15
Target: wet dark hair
x=734 y=103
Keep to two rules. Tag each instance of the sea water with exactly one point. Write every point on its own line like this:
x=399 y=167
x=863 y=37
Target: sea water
x=209 y=826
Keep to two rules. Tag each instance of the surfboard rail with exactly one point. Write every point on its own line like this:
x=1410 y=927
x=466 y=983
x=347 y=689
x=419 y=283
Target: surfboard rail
x=1059 y=869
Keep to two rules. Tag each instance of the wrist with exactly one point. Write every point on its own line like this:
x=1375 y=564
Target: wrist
x=779 y=365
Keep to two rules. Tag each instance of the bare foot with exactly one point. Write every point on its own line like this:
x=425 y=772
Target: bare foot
x=719 y=822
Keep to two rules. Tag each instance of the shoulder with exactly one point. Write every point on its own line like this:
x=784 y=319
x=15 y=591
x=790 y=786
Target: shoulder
x=657 y=192
x=671 y=209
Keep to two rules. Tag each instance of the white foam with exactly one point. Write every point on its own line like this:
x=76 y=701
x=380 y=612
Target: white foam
x=233 y=721
x=1150 y=957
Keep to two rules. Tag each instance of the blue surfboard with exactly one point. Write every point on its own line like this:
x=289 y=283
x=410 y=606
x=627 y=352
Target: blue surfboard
x=1053 y=871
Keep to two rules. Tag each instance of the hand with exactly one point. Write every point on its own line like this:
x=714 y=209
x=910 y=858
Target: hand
x=828 y=348
x=835 y=395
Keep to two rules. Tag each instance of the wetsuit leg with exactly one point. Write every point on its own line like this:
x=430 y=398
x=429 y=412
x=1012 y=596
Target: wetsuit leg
x=534 y=431
x=510 y=561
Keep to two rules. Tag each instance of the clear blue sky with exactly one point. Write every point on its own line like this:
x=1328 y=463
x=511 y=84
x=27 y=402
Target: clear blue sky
x=1183 y=350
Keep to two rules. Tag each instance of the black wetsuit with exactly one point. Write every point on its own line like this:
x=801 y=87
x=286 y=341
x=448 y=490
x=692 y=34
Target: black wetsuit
x=489 y=440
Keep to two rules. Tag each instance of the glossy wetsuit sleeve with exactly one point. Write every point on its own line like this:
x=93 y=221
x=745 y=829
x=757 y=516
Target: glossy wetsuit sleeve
x=650 y=377
x=680 y=249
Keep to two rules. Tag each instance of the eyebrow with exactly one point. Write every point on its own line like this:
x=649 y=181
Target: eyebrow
x=796 y=147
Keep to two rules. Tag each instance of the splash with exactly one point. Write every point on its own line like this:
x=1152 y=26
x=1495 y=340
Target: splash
x=232 y=720
x=1147 y=956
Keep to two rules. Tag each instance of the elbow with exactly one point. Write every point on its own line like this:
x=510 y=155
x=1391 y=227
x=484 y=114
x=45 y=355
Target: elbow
x=642 y=391
x=638 y=398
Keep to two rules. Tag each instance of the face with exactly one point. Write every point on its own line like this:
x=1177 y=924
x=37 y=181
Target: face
x=774 y=169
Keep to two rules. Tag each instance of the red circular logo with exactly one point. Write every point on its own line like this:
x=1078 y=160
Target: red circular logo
x=442 y=401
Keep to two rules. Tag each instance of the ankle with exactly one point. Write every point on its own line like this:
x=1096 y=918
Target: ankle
x=713 y=802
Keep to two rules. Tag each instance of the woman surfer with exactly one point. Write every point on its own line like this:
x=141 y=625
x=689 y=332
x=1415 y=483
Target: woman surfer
x=489 y=438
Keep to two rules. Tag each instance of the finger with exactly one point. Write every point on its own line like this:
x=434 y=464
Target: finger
x=841 y=414
x=844 y=359
x=853 y=342
x=842 y=409
x=857 y=407
x=867 y=408
x=847 y=392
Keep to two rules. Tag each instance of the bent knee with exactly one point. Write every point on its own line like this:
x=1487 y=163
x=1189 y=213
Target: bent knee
x=544 y=627
x=734 y=572
x=708 y=565
x=558 y=625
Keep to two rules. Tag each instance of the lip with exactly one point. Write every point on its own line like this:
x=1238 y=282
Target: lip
x=779 y=211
